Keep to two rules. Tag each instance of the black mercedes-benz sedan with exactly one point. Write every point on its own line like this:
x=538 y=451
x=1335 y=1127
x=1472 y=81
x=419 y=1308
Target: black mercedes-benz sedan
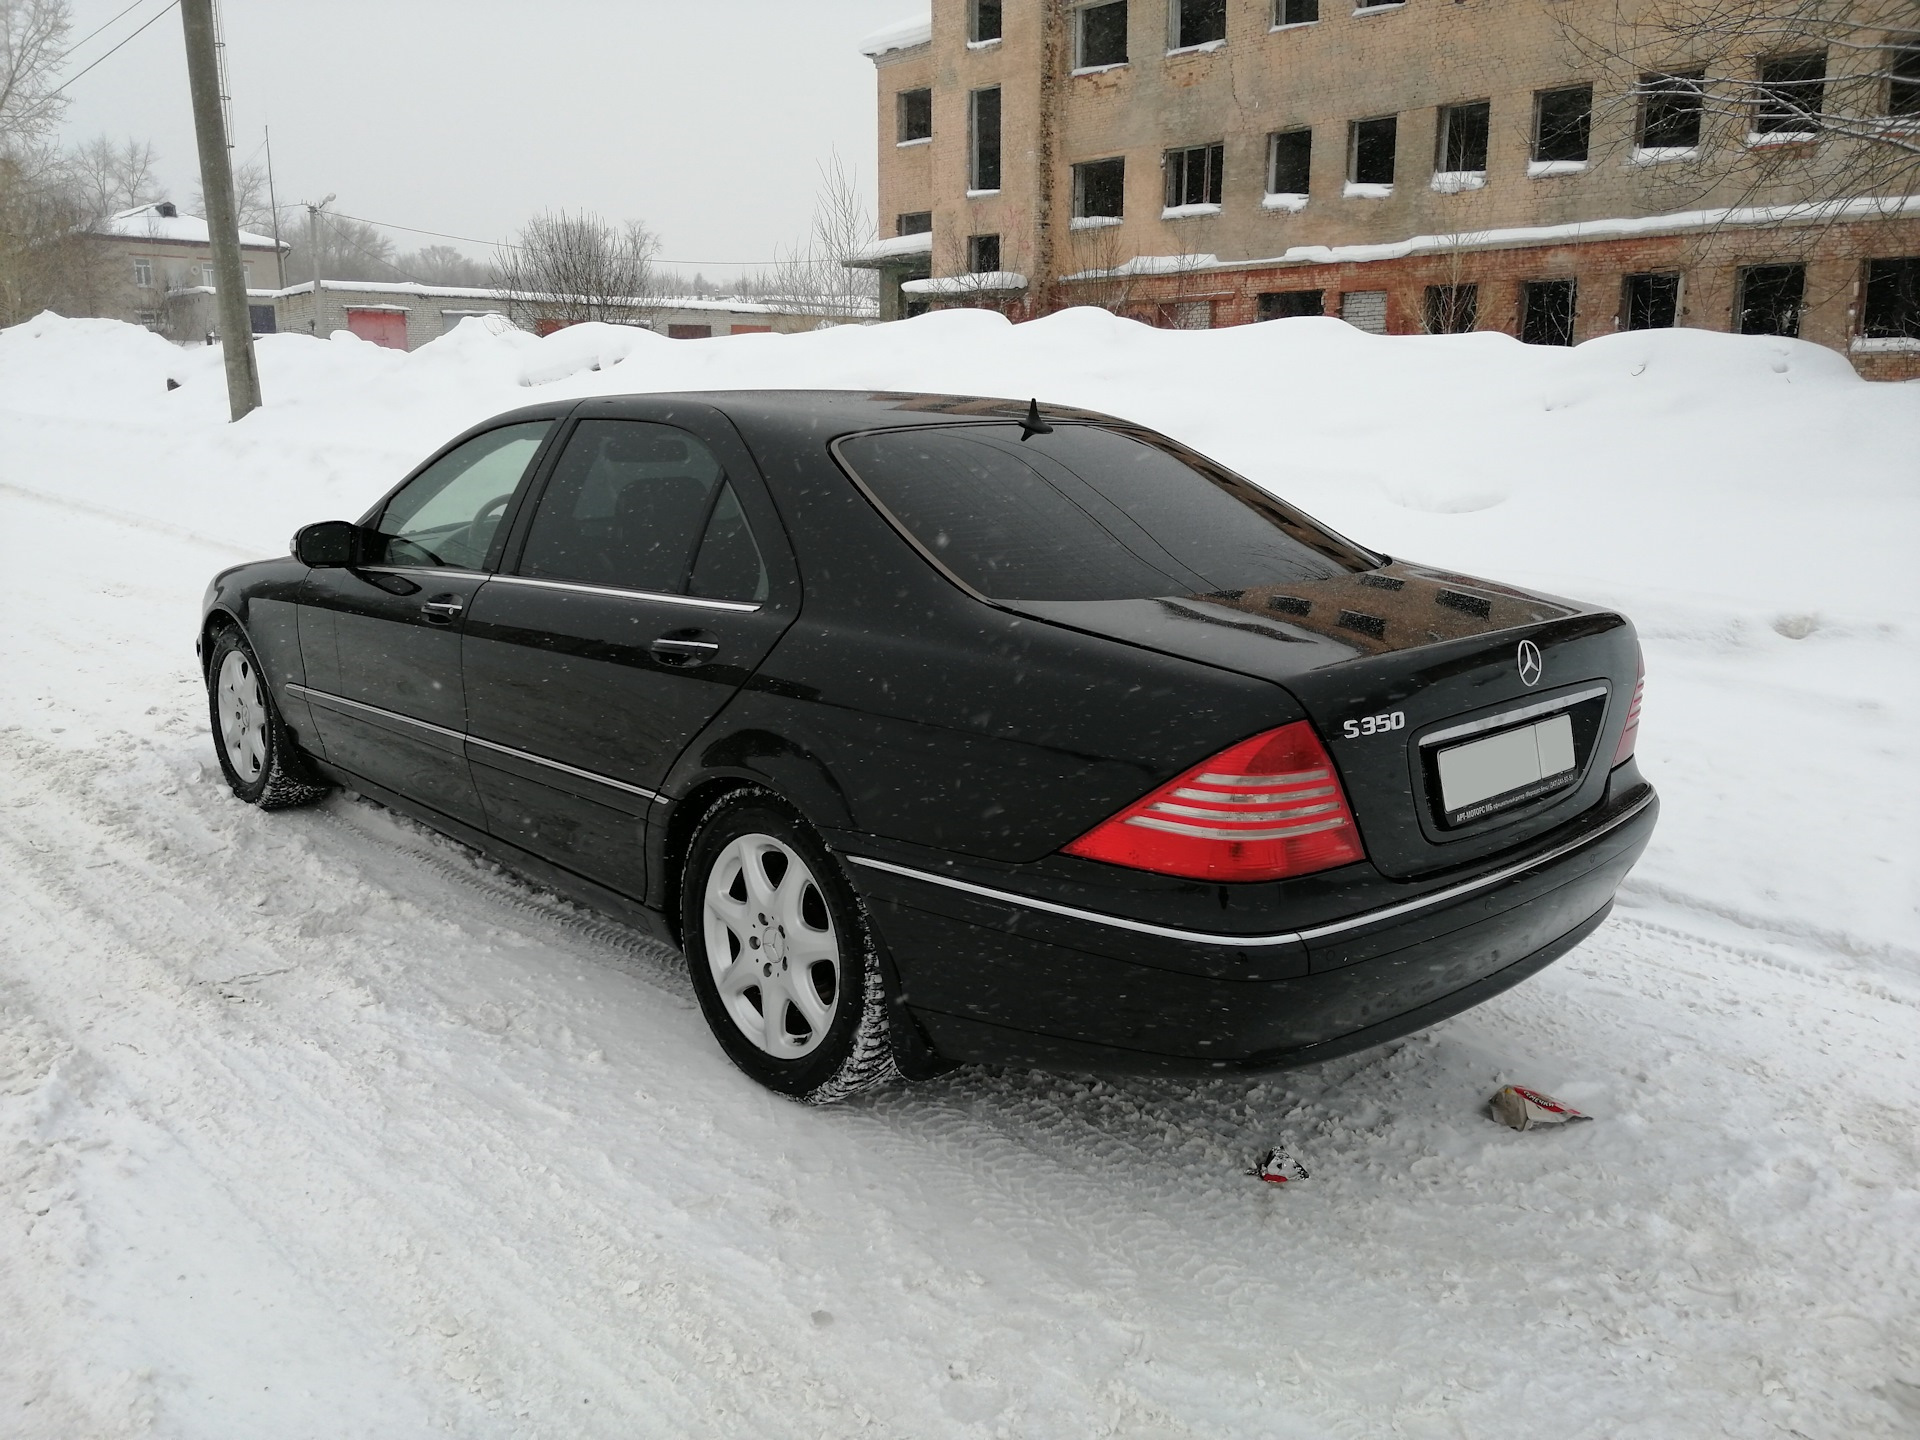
x=938 y=729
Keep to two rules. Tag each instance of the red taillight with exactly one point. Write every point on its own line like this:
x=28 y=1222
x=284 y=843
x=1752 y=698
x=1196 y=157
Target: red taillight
x=1265 y=809
x=1624 y=750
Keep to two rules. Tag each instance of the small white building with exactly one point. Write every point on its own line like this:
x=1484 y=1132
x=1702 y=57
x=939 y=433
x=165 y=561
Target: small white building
x=155 y=257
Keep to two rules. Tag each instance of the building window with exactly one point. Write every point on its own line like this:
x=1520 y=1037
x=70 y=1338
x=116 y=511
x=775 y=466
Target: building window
x=1562 y=122
x=983 y=254
x=914 y=222
x=1793 y=90
x=1100 y=189
x=1365 y=310
x=1770 y=298
x=1371 y=158
x=1289 y=162
x=1546 y=312
x=1903 y=83
x=143 y=272
x=206 y=275
x=1650 y=302
x=1193 y=175
x=983 y=22
x=1463 y=138
x=1452 y=309
x=1670 y=110
x=1100 y=36
x=1295 y=12
x=1892 y=307
x=915 y=116
x=1198 y=22
x=1286 y=304
x=985 y=126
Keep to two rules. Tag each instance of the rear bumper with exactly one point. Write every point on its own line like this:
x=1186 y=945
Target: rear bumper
x=997 y=980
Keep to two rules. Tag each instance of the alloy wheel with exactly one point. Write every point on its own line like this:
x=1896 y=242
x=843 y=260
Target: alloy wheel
x=771 y=946
x=243 y=716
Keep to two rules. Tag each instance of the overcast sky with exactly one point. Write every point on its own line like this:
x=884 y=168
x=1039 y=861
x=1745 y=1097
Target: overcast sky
x=704 y=118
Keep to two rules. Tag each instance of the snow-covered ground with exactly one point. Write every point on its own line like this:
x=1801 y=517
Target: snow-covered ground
x=313 y=1125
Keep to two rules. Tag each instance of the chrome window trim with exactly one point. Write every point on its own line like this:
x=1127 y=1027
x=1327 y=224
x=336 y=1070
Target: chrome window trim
x=329 y=699
x=1317 y=932
x=444 y=572
x=1511 y=717
x=745 y=607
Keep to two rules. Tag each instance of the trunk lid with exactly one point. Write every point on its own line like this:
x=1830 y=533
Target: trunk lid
x=1402 y=666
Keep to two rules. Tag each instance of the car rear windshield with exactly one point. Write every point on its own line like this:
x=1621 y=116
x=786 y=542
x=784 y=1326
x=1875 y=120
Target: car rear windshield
x=1088 y=512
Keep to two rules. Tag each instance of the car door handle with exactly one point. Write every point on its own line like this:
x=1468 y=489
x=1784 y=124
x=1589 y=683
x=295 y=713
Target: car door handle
x=685 y=648
x=443 y=609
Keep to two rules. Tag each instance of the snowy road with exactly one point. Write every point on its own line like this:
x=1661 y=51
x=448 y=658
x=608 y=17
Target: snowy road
x=313 y=1125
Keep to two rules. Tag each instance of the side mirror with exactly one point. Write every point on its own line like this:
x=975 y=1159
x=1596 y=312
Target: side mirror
x=329 y=544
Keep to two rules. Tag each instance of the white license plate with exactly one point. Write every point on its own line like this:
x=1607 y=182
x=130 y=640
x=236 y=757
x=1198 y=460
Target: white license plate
x=1487 y=775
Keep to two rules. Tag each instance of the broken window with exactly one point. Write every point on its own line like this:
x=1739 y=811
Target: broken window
x=1099 y=189
x=914 y=222
x=1670 y=111
x=985 y=125
x=1198 y=22
x=1546 y=312
x=1365 y=310
x=1102 y=35
x=1285 y=304
x=983 y=254
x=1371 y=162
x=1903 y=83
x=143 y=272
x=1770 y=299
x=1296 y=12
x=1650 y=302
x=984 y=23
x=1793 y=88
x=1892 y=306
x=1452 y=309
x=1289 y=162
x=1193 y=175
x=1562 y=121
x=1463 y=137
x=916 y=116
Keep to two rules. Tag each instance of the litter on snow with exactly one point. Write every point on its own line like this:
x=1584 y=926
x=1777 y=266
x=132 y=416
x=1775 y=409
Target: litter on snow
x=1277 y=1167
x=1519 y=1108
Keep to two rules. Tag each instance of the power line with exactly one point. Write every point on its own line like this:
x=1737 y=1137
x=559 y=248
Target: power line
x=78 y=73
x=97 y=29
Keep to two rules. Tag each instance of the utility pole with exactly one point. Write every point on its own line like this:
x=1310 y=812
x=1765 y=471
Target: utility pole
x=223 y=229
x=273 y=203
x=313 y=249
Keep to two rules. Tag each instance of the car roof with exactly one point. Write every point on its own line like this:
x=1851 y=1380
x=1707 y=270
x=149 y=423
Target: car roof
x=850 y=410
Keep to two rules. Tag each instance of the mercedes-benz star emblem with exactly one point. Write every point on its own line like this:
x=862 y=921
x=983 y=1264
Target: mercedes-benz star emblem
x=1529 y=663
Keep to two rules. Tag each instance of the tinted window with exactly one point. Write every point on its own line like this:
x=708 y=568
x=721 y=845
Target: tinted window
x=729 y=566
x=626 y=506
x=1087 y=513
x=448 y=513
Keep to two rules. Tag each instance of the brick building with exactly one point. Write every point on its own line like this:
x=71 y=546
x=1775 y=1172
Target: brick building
x=1411 y=166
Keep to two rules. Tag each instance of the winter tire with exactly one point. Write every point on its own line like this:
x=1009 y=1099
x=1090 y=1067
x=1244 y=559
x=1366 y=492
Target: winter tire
x=781 y=953
x=256 y=753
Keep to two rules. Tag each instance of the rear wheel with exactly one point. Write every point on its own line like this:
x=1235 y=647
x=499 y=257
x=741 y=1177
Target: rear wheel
x=781 y=954
x=256 y=753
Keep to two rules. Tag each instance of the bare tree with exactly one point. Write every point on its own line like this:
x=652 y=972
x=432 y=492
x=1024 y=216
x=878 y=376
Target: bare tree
x=573 y=267
x=110 y=178
x=1808 y=102
x=443 y=265
x=48 y=261
x=33 y=41
x=813 y=278
x=349 y=250
x=250 y=201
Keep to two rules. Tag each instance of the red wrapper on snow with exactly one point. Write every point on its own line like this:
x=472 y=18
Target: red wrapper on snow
x=1519 y=1108
x=1277 y=1167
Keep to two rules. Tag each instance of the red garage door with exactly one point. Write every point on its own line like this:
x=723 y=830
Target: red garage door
x=382 y=327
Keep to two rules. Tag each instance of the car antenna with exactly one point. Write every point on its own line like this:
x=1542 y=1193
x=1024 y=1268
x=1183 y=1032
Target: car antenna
x=1033 y=425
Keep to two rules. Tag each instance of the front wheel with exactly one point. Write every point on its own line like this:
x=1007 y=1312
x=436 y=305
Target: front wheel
x=781 y=954
x=256 y=753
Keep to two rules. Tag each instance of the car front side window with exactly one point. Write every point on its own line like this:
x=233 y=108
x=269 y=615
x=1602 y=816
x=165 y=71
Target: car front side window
x=447 y=515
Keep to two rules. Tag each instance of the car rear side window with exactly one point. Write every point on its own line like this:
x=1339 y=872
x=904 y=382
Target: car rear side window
x=1088 y=512
x=633 y=506
x=448 y=513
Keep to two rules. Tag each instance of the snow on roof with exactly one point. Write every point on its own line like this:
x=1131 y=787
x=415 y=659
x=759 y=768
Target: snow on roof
x=901 y=35
x=645 y=302
x=983 y=283
x=896 y=247
x=153 y=222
